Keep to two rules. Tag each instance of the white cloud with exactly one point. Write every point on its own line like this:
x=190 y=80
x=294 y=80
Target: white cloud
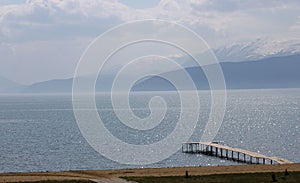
x=39 y=19
x=55 y=18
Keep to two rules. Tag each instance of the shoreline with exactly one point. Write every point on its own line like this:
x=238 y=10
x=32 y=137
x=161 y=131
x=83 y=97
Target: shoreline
x=146 y=172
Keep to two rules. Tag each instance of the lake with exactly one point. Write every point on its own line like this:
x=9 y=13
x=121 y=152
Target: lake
x=40 y=133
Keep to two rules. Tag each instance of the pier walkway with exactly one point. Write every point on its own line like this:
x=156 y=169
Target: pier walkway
x=236 y=154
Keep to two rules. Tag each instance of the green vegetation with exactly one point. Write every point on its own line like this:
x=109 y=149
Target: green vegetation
x=245 y=178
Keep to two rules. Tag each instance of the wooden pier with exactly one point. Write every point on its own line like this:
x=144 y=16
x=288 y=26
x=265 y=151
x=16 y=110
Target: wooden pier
x=235 y=154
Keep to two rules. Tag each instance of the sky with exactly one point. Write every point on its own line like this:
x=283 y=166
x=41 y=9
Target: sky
x=43 y=39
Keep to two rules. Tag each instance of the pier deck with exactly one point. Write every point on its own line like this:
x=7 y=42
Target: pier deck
x=237 y=154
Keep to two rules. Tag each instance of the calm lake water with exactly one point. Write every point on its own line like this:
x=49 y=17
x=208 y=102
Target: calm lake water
x=39 y=132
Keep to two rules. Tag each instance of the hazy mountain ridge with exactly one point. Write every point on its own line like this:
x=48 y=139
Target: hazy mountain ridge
x=275 y=72
x=51 y=86
x=7 y=85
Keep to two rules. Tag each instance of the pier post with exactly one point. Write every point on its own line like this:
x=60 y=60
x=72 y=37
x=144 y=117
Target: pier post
x=238 y=156
x=245 y=158
x=231 y=154
x=211 y=150
x=216 y=151
x=221 y=153
x=227 y=153
x=250 y=159
x=264 y=161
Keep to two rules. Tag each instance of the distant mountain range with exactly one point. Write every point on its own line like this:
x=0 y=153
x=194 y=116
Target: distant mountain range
x=275 y=72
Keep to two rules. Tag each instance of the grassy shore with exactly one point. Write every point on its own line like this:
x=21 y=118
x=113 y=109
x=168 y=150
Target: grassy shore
x=263 y=173
x=279 y=177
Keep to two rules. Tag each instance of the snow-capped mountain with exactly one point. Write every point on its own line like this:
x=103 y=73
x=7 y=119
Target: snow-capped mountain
x=257 y=49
